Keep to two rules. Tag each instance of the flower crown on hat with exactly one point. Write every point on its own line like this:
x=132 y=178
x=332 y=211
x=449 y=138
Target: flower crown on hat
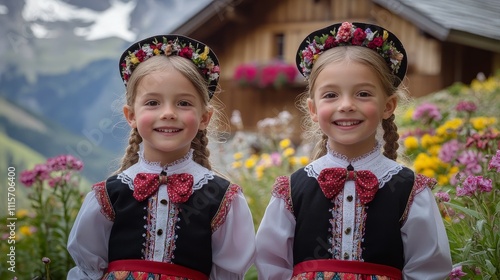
x=168 y=45
x=370 y=36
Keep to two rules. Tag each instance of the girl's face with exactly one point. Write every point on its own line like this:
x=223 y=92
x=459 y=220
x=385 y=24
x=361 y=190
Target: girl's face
x=167 y=112
x=349 y=103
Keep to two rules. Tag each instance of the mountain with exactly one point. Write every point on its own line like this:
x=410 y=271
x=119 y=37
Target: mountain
x=60 y=89
x=28 y=139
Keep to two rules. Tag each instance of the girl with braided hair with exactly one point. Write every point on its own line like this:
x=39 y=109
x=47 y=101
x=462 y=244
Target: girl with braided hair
x=165 y=214
x=354 y=212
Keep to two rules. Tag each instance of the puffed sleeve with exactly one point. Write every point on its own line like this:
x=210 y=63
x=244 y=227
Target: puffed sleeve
x=88 y=241
x=427 y=251
x=233 y=242
x=274 y=239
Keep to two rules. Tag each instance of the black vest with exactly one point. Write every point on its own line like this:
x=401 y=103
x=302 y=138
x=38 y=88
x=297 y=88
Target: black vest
x=194 y=242
x=382 y=243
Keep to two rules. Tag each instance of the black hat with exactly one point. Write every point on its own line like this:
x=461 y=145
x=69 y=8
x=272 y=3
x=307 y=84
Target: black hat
x=371 y=36
x=200 y=54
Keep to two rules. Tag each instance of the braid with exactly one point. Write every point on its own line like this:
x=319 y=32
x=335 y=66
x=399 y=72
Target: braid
x=320 y=148
x=201 y=152
x=391 y=137
x=131 y=157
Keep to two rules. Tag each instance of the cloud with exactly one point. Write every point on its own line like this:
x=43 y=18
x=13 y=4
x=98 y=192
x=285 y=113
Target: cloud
x=112 y=22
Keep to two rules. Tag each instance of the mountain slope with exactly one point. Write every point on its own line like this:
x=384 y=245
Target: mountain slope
x=49 y=139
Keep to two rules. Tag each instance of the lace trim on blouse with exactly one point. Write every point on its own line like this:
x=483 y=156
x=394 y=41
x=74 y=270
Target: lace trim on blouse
x=186 y=164
x=383 y=167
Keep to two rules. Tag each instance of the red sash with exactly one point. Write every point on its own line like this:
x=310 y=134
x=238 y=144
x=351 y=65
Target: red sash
x=354 y=267
x=156 y=268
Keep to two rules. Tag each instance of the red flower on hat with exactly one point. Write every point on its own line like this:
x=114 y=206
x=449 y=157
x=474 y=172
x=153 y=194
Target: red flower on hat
x=330 y=42
x=186 y=52
x=359 y=37
x=376 y=43
x=141 y=55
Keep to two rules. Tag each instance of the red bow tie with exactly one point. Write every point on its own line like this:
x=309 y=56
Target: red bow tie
x=179 y=186
x=332 y=181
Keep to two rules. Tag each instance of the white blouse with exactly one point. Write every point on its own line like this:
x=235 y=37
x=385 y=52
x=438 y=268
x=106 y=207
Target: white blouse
x=233 y=245
x=427 y=252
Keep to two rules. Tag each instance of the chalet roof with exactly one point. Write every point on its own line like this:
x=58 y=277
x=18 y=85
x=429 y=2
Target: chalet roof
x=470 y=22
x=474 y=23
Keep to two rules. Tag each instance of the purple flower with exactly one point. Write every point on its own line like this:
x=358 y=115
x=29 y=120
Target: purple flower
x=64 y=162
x=276 y=158
x=449 y=151
x=39 y=172
x=427 y=112
x=495 y=162
x=471 y=161
x=473 y=183
x=456 y=273
x=466 y=106
x=45 y=260
x=443 y=196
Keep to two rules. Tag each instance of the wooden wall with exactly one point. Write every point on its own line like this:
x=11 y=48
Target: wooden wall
x=249 y=34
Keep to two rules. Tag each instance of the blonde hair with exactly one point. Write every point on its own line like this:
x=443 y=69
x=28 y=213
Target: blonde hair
x=162 y=63
x=370 y=58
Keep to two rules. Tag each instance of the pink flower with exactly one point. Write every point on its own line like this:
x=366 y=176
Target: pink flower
x=456 y=273
x=427 y=112
x=344 y=33
x=495 y=162
x=29 y=177
x=443 y=196
x=64 y=162
x=466 y=106
x=471 y=161
x=449 y=151
x=473 y=183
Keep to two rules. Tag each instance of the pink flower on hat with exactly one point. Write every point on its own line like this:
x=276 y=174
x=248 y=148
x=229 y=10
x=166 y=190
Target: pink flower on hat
x=344 y=34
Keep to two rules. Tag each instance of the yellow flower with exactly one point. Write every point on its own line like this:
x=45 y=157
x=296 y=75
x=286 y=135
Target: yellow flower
x=22 y=213
x=134 y=59
x=250 y=162
x=293 y=160
x=411 y=142
x=427 y=140
x=449 y=128
x=480 y=123
x=434 y=149
x=288 y=152
x=443 y=180
x=259 y=171
x=429 y=173
x=156 y=51
x=204 y=55
x=236 y=164
x=304 y=160
x=238 y=156
x=285 y=143
x=26 y=230
x=408 y=115
x=421 y=162
x=454 y=170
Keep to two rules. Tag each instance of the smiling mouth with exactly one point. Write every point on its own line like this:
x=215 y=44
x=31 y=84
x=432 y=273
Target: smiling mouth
x=172 y=130
x=347 y=123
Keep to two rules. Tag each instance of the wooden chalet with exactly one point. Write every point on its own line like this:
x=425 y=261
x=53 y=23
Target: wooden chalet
x=446 y=41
